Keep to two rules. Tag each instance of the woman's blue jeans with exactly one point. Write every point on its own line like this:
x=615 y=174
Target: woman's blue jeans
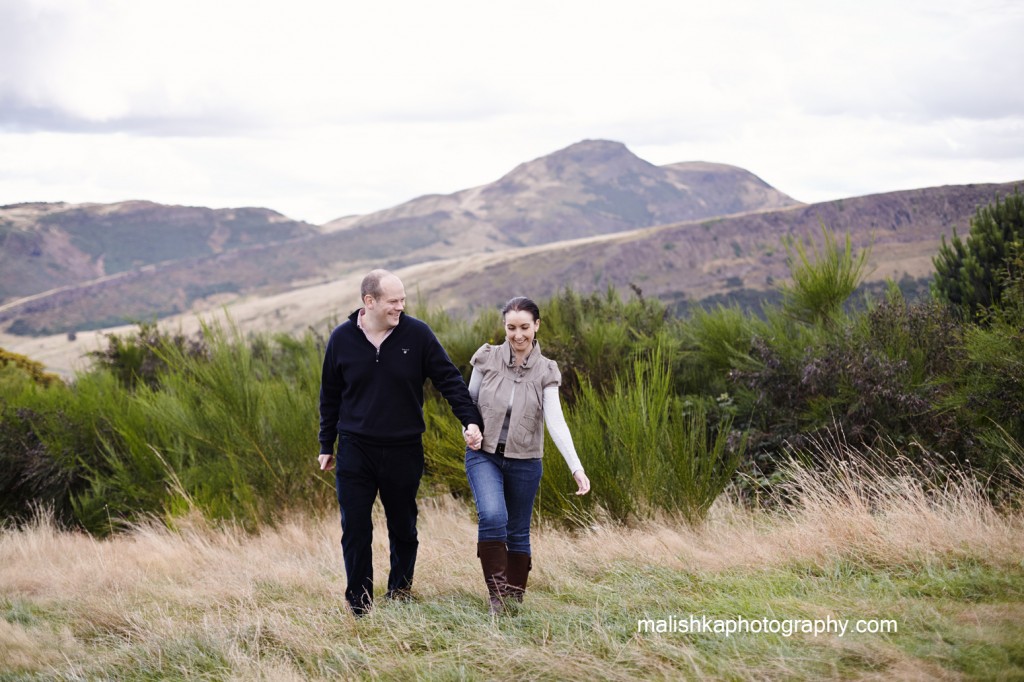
x=504 y=490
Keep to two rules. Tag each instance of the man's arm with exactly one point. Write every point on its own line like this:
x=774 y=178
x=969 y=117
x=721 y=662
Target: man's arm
x=331 y=386
x=449 y=382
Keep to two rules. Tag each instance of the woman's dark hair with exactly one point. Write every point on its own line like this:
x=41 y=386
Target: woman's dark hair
x=521 y=303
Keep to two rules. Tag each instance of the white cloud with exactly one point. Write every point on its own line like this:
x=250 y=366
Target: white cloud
x=319 y=109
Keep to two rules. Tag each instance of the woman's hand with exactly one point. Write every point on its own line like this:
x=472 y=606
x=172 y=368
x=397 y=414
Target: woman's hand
x=474 y=439
x=582 y=481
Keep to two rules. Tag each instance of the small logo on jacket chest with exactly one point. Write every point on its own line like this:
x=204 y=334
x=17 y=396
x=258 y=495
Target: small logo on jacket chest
x=405 y=351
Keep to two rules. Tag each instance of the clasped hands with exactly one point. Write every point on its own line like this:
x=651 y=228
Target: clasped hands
x=473 y=437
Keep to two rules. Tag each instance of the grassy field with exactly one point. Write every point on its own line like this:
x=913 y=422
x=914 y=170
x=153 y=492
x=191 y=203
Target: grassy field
x=938 y=572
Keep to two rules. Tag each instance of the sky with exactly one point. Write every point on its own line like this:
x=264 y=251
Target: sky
x=325 y=108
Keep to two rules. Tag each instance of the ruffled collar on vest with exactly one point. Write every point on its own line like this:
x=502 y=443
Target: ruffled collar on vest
x=535 y=351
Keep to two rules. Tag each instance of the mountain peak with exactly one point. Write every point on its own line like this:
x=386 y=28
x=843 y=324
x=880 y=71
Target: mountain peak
x=586 y=159
x=593 y=151
x=599 y=186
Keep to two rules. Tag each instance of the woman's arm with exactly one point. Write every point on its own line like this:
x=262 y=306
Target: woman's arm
x=559 y=430
x=475 y=379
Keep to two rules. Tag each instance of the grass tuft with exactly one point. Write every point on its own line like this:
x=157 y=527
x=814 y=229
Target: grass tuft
x=860 y=541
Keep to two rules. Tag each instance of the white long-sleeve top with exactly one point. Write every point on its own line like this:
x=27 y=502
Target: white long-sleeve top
x=554 y=420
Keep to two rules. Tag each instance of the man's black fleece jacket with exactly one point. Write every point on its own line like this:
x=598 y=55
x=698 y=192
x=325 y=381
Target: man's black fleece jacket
x=378 y=395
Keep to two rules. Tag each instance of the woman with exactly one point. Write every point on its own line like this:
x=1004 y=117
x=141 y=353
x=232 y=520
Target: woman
x=516 y=389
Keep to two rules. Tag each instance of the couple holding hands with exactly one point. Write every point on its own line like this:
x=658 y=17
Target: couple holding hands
x=371 y=405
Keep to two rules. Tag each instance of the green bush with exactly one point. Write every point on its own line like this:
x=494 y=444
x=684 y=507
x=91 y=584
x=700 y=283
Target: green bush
x=987 y=392
x=663 y=411
x=823 y=279
x=142 y=357
x=968 y=273
x=597 y=336
x=713 y=342
x=49 y=437
x=157 y=428
x=13 y=364
x=644 y=449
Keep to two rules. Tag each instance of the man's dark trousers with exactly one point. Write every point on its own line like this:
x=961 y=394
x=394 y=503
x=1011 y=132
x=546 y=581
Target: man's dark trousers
x=362 y=469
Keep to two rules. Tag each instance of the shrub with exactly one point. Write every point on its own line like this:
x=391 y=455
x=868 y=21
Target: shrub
x=644 y=448
x=226 y=426
x=596 y=336
x=967 y=273
x=987 y=391
x=713 y=343
x=822 y=280
x=12 y=363
x=49 y=437
x=877 y=379
x=141 y=357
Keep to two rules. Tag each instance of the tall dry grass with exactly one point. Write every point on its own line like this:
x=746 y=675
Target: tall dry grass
x=204 y=602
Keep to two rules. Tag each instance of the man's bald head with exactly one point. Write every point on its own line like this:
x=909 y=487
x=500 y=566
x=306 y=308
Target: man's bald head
x=371 y=285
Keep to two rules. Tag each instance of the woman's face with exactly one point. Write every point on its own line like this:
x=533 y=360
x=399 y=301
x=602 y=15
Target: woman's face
x=520 y=329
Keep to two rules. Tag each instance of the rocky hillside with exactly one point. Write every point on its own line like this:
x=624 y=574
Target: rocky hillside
x=735 y=257
x=591 y=188
x=136 y=261
x=48 y=246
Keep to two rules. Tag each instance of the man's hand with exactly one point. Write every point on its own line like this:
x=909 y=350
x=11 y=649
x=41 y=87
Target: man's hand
x=474 y=439
x=326 y=462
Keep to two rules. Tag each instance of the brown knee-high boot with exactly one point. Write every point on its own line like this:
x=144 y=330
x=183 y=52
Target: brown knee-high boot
x=494 y=561
x=519 y=565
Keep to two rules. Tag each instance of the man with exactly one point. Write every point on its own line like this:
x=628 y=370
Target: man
x=371 y=403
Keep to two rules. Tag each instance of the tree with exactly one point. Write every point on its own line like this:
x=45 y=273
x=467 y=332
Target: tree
x=971 y=274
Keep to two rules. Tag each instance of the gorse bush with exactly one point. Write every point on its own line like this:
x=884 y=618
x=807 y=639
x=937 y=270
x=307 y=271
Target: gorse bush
x=644 y=448
x=141 y=358
x=647 y=449
x=713 y=342
x=15 y=367
x=49 y=438
x=986 y=392
x=232 y=433
x=888 y=375
x=969 y=273
x=823 y=278
x=229 y=432
x=664 y=411
x=597 y=336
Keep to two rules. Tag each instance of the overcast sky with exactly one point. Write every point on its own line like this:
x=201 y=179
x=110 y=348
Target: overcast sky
x=324 y=108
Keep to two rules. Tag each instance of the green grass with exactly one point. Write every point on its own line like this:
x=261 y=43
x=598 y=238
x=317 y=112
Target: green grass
x=217 y=604
x=935 y=569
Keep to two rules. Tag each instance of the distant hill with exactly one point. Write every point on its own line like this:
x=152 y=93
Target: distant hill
x=737 y=257
x=47 y=246
x=92 y=266
x=591 y=188
x=589 y=216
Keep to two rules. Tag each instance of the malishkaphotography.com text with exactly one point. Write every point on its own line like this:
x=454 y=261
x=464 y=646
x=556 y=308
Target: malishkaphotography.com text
x=786 y=627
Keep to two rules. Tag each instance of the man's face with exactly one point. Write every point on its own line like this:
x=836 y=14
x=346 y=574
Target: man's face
x=385 y=311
